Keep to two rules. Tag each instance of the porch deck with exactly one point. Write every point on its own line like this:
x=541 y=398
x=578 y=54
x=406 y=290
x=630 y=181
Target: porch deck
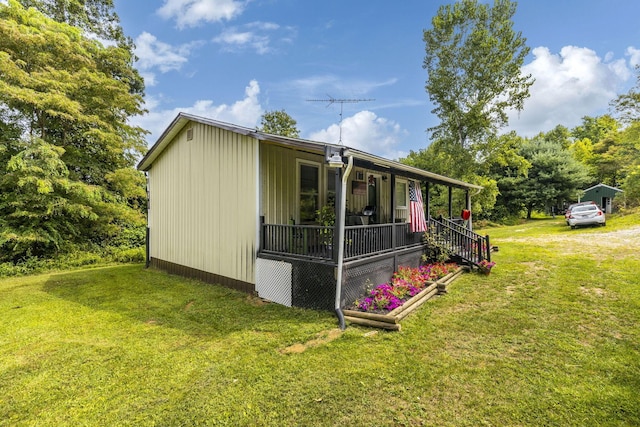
x=298 y=262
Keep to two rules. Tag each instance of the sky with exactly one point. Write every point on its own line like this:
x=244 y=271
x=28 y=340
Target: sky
x=234 y=60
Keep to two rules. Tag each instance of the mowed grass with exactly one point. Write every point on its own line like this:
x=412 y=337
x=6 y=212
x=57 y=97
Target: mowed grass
x=551 y=337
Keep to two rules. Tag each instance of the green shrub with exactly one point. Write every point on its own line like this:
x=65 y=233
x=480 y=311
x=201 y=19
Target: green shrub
x=129 y=255
x=89 y=256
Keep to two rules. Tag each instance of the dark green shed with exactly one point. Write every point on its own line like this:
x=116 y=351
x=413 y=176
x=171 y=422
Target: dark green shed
x=602 y=194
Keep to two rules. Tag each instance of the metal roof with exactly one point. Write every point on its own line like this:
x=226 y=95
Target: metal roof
x=603 y=185
x=380 y=162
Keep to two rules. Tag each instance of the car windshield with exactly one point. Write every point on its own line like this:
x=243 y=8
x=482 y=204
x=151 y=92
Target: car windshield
x=584 y=208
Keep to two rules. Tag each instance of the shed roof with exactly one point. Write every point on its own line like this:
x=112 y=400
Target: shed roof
x=604 y=186
x=374 y=161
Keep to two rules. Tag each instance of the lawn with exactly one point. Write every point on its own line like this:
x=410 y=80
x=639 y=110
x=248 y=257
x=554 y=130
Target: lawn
x=551 y=337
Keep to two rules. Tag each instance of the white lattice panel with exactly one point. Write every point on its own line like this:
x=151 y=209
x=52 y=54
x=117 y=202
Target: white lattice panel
x=273 y=281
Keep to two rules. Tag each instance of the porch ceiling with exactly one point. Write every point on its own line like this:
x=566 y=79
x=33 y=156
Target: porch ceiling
x=380 y=164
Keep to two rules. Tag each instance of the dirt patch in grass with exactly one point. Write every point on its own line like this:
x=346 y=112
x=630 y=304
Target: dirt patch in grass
x=323 y=337
x=574 y=241
x=598 y=292
x=256 y=301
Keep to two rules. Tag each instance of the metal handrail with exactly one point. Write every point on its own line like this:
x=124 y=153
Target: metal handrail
x=468 y=245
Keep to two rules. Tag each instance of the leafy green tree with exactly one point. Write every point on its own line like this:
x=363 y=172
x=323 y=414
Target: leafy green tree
x=92 y=16
x=67 y=155
x=41 y=208
x=627 y=107
x=70 y=91
x=595 y=128
x=508 y=168
x=473 y=60
x=631 y=187
x=555 y=176
x=278 y=122
x=442 y=161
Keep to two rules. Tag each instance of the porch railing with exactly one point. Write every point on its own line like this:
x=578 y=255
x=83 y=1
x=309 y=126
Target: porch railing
x=459 y=240
x=309 y=241
x=316 y=242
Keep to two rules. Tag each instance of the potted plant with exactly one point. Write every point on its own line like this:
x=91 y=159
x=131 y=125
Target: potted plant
x=485 y=266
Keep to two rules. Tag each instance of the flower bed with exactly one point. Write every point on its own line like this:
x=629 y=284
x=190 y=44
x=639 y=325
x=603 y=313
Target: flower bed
x=390 y=302
x=405 y=283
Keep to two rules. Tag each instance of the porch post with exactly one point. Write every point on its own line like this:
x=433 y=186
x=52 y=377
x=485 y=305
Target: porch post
x=393 y=210
x=468 y=196
x=428 y=201
x=450 y=203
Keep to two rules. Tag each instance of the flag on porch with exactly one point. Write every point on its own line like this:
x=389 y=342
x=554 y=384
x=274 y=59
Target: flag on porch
x=416 y=208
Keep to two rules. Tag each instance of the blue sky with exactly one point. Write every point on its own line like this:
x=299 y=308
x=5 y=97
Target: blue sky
x=233 y=60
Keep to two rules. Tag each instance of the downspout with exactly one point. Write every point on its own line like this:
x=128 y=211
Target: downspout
x=341 y=225
x=147 y=245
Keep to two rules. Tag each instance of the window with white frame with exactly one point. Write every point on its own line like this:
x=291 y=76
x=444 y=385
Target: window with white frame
x=402 y=199
x=402 y=194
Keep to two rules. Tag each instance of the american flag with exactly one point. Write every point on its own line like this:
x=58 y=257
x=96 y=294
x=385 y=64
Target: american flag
x=416 y=209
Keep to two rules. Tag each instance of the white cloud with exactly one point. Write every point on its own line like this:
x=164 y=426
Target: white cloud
x=190 y=13
x=367 y=132
x=568 y=86
x=156 y=55
x=258 y=36
x=634 y=56
x=233 y=39
x=245 y=112
x=338 y=84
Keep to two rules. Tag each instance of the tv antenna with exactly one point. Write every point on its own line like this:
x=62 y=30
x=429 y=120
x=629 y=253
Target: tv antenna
x=331 y=100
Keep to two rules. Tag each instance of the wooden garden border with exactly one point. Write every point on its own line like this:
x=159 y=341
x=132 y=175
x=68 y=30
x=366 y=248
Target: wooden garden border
x=391 y=320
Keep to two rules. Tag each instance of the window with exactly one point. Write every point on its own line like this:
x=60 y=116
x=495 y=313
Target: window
x=309 y=192
x=401 y=194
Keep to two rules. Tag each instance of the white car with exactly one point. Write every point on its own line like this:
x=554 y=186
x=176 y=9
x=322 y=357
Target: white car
x=586 y=215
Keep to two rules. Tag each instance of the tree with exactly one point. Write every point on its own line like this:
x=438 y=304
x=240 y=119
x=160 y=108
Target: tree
x=508 y=168
x=70 y=91
x=595 y=128
x=67 y=155
x=473 y=60
x=555 y=176
x=93 y=16
x=627 y=106
x=41 y=207
x=278 y=122
x=437 y=160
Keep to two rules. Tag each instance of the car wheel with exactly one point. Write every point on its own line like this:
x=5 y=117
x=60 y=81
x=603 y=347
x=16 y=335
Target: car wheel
x=573 y=227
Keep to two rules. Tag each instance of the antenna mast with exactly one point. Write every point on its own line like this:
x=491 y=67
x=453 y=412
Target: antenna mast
x=331 y=100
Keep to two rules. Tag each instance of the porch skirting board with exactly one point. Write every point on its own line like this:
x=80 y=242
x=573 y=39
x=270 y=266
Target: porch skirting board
x=204 y=276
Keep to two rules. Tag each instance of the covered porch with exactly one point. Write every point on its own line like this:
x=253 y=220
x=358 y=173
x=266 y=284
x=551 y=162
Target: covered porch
x=373 y=234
